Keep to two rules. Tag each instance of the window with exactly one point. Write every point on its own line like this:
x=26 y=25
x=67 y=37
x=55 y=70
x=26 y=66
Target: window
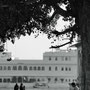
x=19 y=67
x=66 y=80
x=20 y=79
x=25 y=68
x=38 y=80
x=56 y=58
x=69 y=69
x=9 y=68
x=14 y=67
x=4 y=67
x=62 y=69
x=8 y=80
x=25 y=79
x=30 y=68
x=0 y=67
x=49 y=79
x=34 y=68
x=14 y=79
x=62 y=80
x=66 y=58
x=0 y=79
x=49 y=68
x=66 y=68
x=4 y=80
x=43 y=68
x=69 y=80
x=32 y=80
x=38 y=68
x=49 y=58
x=55 y=68
x=56 y=79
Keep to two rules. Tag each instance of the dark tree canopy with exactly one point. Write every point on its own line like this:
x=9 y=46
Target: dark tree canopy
x=21 y=17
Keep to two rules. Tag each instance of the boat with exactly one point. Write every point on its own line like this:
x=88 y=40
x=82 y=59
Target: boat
x=40 y=85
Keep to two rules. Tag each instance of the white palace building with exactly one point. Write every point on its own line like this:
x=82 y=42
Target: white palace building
x=57 y=69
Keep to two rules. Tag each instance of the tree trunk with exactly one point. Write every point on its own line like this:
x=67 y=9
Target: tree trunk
x=84 y=20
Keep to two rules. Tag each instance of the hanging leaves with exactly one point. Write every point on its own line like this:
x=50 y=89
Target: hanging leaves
x=21 y=17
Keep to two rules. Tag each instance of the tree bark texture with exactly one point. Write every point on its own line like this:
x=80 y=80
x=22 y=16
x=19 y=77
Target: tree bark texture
x=84 y=21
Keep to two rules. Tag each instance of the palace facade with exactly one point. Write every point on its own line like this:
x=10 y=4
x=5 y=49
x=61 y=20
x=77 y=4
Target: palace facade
x=57 y=68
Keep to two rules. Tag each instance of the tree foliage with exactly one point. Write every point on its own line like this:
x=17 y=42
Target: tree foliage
x=21 y=17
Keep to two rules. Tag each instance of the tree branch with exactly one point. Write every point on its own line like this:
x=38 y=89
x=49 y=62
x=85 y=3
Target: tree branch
x=55 y=12
x=65 y=31
x=62 y=12
x=58 y=46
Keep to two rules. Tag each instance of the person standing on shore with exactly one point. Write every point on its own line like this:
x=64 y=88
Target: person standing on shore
x=16 y=87
x=21 y=86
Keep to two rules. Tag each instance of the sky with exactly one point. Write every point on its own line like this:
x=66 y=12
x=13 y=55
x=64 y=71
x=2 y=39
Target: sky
x=29 y=47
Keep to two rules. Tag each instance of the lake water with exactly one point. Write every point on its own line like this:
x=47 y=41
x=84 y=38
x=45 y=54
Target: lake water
x=10 y=86
x=59 y=88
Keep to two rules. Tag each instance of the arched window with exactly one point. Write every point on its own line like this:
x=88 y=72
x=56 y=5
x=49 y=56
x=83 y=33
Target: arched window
x=55 y=68
x=4 y=80
x=0 y=79
x=43 y=68
x=38 y=80
x=49 y=79
x=69 y=80
x=62 y=69
x=49 y=58
x=49 y=68
x=20 y=79
x=25 y=68
x=69 y=69
x=9 y=68
x=32 y=80
x=19 y=67
x=66 y=58
x=25 y=79
x=0 y=67
x=38 y=68
x=56 y=79
x=4 y=67
x=30 y=68
x=14 y=79
x=66 y=80
x=66 y=69
x=8 y=80
x=56 y=58
x=14 y=67
x=62 y=80
x=35 y=68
